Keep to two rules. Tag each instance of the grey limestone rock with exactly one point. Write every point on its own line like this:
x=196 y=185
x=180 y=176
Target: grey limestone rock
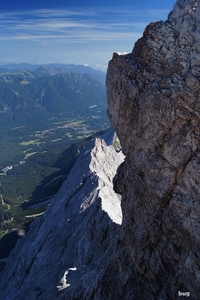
x=65 y=246
x=154 y=106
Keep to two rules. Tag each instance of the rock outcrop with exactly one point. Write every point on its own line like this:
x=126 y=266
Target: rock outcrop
x=154 y=106
x=63 y=248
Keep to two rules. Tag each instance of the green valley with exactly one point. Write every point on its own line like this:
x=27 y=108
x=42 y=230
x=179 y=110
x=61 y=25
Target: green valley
x=44 y=121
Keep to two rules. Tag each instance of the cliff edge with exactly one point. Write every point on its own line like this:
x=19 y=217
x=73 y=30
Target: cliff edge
x=154 y=106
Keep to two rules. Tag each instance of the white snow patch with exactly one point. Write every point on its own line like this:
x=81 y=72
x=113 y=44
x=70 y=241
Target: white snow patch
x=120 y=53
x=42 y=93
x=92 y=106
x=63 y=282
x=6 y=169
x=16 y=93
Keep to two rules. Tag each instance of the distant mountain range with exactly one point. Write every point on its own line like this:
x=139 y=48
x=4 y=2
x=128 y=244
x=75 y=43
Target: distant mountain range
x=31 y=94
x=53 y=69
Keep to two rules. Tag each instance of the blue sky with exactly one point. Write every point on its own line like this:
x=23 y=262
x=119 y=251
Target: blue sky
x=76 y=31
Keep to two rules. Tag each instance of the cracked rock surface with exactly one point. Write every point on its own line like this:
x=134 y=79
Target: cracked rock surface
x=154 y=106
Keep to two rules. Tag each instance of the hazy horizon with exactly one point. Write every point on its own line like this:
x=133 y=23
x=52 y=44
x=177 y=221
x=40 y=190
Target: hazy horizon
x=46 y=32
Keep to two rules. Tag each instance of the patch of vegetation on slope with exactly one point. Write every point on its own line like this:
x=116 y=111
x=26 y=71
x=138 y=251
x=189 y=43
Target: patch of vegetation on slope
x=31 y=99
x=44 y=120
x=39 y=186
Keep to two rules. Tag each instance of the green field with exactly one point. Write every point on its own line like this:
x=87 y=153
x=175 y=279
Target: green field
x=39 y=167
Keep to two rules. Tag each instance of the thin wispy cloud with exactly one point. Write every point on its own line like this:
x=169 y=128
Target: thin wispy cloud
x=84 y=24
x=72 y=34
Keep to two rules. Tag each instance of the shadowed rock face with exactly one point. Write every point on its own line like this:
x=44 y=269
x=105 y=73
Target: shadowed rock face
x=154 y=106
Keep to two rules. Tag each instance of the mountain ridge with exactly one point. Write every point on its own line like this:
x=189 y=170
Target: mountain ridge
x=87 y=192
x=19 y=101
x=56 y=68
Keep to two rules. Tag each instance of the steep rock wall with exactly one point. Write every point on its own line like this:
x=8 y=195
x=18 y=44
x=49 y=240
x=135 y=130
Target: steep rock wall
x=154 y=106
x=60 y=256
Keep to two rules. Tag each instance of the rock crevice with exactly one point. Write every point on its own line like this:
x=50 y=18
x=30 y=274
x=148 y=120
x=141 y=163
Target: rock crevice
x=154 y=106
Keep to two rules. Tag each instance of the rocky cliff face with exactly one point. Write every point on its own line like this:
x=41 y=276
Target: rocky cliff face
x=154 y=106
x=61 y=253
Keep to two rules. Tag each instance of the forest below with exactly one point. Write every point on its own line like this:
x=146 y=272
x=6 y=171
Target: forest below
x=45 y=120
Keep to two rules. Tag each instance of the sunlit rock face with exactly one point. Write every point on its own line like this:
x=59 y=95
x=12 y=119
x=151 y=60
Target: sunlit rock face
x=154 y=106
x=65 y=246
